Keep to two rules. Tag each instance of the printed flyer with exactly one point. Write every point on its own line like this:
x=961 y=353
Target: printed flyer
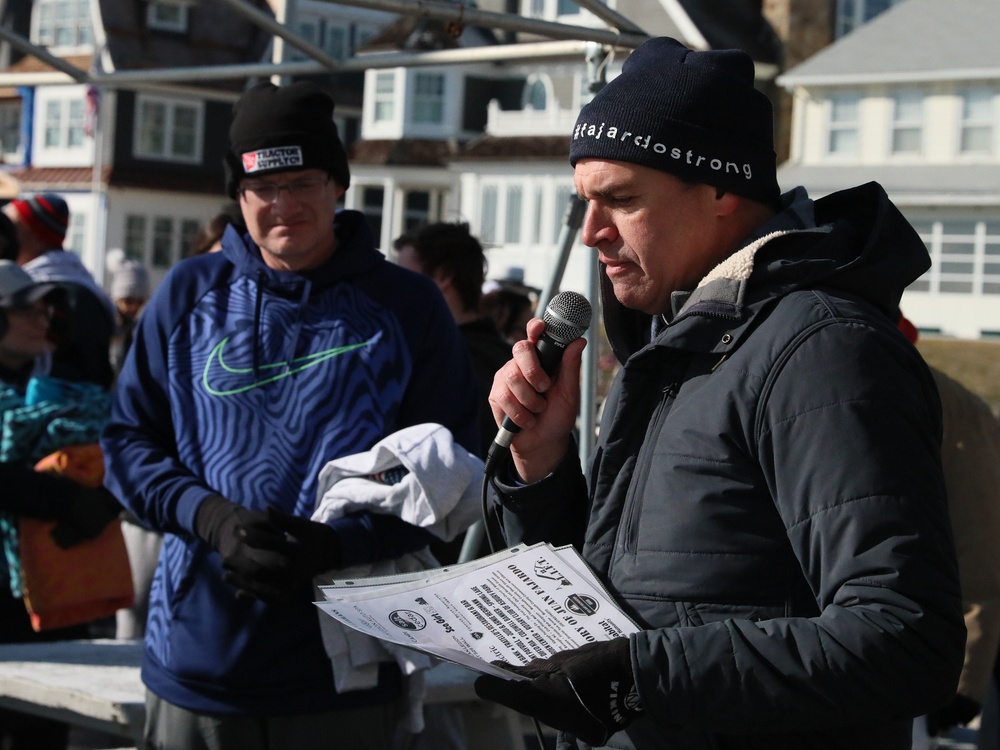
x=520 y=604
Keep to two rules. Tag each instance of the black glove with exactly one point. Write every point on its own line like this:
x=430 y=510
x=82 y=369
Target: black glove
x=89 y=510
x=959 y=710
x=317 y=546
x=255 y=553
x=588 y=692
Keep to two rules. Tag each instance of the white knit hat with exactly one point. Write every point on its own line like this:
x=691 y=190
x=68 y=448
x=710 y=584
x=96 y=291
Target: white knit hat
x=131 y=280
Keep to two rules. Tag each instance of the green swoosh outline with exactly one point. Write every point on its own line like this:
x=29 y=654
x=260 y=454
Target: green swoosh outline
x=303 y=363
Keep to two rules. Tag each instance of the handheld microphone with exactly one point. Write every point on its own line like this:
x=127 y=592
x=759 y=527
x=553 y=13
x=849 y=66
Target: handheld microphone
x=566 y=318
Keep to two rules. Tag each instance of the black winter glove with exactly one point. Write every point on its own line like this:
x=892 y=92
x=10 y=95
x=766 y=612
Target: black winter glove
x=588 y=692
x=255 y=553
x=87 y=513
x=959 y=710
x=316 y=545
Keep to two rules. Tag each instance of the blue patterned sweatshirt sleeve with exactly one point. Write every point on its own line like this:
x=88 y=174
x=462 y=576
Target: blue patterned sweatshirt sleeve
x=141 y=465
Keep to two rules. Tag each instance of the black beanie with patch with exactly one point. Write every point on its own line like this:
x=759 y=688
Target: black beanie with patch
x=282 y=129
x=695 y=115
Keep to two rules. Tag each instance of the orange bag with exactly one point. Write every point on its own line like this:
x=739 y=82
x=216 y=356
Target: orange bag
x=87 y=582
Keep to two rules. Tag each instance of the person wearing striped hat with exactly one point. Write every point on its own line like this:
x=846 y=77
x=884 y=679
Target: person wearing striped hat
x=82 y=330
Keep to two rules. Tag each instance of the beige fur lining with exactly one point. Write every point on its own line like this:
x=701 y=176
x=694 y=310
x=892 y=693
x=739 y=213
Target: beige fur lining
x=739 y=265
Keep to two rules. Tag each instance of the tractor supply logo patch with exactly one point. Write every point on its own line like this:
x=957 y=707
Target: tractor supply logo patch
x=279 y=157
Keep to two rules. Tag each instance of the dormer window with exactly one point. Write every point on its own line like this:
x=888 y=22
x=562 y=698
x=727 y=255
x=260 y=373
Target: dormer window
x=168 y=129
x=428 y=98
x=385 y=96
x=551 y=9
x=167 y=15
x=854 y=13
x=62 y=23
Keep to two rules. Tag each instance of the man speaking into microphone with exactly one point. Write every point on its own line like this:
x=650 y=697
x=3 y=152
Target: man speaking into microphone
x=766 y=497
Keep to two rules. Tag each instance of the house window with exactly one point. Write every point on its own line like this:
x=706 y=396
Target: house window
x=977 y=122
x=965 y=256
x=76 y=232
x=534 y=95
x=189 y=230
x=843 y=125
x=551 y=9
x=372 y=202
x=168 y=130
x=416 y=209
x=62 y=23
x=957 y=263
x=335 y=42
x=991 y=257
x=167 y=15
x=563 y=193
x=385 y=96
x=163 y=241
x=135 y=237
x=488 y=215
x=428 y=98
x=854 y=13
x=907 y=122
x=10 y=127
x=512 y=223
x=64 y=121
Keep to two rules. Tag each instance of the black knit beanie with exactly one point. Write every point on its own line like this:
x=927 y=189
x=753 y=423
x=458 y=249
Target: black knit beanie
x=281 y=129
x=693 y=114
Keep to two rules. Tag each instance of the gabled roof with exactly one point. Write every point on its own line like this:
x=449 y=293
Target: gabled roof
x=916 y=40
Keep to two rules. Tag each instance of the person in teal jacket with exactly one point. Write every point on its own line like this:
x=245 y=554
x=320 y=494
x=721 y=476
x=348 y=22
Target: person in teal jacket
x=252 y=368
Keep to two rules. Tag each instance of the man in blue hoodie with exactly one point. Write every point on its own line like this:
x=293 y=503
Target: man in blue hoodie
x=250 y=370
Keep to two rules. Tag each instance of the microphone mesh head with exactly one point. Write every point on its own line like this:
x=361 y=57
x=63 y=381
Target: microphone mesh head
x=567 y=317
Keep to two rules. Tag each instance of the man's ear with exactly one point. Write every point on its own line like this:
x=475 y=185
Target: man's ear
x=442 y=278
x=726 y=203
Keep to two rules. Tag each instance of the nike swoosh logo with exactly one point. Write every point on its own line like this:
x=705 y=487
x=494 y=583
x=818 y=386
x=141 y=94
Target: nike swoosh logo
x=286 y=369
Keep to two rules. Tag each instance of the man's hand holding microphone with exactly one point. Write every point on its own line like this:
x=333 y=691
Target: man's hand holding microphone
x=536 y=395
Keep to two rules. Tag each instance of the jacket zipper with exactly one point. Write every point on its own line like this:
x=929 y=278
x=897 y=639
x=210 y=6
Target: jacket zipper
x=642 y=466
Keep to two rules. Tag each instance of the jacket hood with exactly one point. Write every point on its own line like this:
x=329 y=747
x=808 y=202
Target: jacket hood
x=855 y=241
x=355 y=254
x=62 y=266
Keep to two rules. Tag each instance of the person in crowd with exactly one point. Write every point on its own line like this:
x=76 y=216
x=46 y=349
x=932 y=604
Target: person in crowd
x=250 y=370
x=766 y=497
x=970 y=458
x=83 y=334
x=209 y=237
x=80 y=512
x=9 y=248
x=130 y=293
x=450 y=255
x=510 y=307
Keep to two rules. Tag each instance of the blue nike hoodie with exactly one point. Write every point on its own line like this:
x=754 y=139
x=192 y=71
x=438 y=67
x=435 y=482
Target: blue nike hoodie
x=244 y=381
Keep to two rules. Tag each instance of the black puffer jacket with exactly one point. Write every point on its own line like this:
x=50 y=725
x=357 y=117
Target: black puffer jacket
x=766 y=497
